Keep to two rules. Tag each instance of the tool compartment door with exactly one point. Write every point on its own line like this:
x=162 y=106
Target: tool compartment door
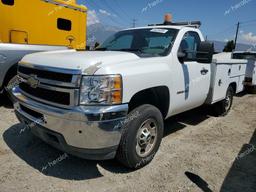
x=220 y=81
x=238 y=69
x=237 y=74
x=19 y=37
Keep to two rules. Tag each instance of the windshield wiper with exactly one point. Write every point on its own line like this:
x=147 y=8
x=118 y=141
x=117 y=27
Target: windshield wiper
x=106 y=49
x=132 y=50
x=101 y=49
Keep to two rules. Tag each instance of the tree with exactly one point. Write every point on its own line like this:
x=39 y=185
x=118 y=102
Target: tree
x=230 y=46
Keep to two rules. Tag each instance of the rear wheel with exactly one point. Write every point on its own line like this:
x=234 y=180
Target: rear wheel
x=223 y=107
x=141 y=138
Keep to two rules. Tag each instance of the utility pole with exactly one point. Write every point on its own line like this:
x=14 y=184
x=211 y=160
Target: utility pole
x=237 y=30
x=134 y=23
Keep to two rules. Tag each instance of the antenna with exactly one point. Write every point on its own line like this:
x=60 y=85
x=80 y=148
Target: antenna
x=237 y=30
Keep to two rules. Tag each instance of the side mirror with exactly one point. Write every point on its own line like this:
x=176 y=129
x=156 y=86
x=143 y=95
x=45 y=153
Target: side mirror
x=205 y=52
x=182 y=56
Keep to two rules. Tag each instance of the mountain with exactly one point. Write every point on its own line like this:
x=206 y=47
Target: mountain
x=219 y=46
x=99 y=33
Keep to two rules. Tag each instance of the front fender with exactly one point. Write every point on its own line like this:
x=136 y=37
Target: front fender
x=140 y=75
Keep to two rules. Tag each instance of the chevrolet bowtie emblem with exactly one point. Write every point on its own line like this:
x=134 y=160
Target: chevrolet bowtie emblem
x=33 y=81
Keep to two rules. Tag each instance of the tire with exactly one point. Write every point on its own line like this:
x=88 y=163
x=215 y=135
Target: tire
x=223 y=107
x=144 y=127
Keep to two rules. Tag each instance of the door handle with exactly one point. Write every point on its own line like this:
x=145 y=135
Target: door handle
x=204 y=71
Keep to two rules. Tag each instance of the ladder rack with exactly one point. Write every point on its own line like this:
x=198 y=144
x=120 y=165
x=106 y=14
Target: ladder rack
x=195 y=24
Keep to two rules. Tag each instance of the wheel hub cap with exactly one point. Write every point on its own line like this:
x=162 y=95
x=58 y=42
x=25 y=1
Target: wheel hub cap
x=227 y=102
x=146 y=137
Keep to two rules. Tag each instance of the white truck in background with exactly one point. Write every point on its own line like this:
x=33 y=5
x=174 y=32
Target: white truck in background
x=11 y=54
x=112 y=102
x=250 y=75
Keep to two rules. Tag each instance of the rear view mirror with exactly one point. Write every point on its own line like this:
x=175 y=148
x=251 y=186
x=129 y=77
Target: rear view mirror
x=205 y=52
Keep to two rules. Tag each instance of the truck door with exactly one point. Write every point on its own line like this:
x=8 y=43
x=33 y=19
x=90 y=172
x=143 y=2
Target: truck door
x=19 y=37
x=194 y=77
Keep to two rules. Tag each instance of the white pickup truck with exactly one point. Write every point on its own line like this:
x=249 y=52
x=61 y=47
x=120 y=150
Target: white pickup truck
x=112 y=102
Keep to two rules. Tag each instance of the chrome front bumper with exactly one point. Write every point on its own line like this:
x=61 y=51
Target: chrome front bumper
x=90 y=132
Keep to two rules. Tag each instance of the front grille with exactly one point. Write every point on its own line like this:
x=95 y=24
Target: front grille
x=50 y=85
x=62 y=98
x=49 y=75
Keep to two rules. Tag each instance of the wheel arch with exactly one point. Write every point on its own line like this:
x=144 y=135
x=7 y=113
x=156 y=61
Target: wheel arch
x=234 y=86
x=157 y=96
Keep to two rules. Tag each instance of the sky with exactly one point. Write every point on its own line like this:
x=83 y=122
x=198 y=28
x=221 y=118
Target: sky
x=219 y=17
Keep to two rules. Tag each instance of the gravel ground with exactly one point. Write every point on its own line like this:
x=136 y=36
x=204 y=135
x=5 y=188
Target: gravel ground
x=198 y=153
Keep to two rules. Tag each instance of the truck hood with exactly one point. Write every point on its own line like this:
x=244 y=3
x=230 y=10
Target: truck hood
x=82 y=60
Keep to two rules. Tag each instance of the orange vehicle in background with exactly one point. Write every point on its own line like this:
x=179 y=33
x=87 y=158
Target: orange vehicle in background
x=43 y=22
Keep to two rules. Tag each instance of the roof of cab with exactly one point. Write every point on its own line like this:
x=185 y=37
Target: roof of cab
x=70 y=3
x=161 y=26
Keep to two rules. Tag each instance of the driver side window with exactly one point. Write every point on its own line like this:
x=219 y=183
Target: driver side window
x=189 y=45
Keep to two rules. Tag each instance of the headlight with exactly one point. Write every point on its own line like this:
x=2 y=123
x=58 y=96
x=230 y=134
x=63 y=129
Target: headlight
x=105 y=90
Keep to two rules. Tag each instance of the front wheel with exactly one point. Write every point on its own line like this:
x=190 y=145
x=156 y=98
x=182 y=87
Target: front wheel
x=223 y=107
x=141 y=137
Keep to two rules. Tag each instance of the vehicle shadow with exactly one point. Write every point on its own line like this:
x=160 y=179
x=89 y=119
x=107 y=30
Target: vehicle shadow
x=241 y=94
x=192 y=117
x=242 y=174
x=52 y=162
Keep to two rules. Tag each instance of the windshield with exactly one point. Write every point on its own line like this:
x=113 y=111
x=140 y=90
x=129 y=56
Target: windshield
x=144 y=42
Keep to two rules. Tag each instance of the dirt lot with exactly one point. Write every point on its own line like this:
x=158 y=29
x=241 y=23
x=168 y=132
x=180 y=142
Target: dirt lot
x=198 y=153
